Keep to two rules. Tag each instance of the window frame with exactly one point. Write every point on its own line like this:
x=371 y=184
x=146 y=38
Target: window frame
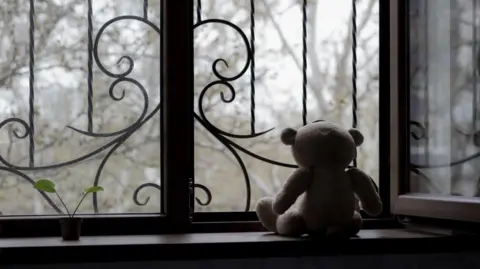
x=403 y=202
x=177 y=136
x=177 y=121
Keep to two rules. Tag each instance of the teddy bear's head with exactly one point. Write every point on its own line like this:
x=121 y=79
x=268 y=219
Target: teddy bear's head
x=323 y=143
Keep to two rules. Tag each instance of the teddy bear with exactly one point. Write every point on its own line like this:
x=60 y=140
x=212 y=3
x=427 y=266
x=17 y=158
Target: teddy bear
x=320 y=197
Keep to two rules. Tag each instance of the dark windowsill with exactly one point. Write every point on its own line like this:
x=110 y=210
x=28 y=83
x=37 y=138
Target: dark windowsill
x=223 y=245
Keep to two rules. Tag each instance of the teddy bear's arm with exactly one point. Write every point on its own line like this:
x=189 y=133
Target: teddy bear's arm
x=296 y=184
x=364 y=189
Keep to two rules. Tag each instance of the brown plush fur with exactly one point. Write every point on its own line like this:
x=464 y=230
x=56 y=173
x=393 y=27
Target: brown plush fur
x=326 y=186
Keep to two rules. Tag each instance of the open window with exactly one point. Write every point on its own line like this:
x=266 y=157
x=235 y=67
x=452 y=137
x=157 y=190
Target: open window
x=435 y=109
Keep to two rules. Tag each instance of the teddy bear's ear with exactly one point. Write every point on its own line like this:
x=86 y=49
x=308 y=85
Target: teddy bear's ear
x=288 y=136
x=357 y=136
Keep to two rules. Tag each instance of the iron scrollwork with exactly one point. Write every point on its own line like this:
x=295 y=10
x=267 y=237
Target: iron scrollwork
x=119 y=136
x=221 y=135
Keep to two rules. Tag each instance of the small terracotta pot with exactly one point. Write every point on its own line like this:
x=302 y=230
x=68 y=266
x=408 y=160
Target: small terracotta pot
x=71 y=228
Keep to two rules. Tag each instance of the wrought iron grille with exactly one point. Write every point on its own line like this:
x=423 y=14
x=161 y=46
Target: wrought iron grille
x=120 y=136
x=225 y=137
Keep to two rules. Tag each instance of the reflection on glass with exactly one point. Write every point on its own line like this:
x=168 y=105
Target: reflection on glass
x=444 y=97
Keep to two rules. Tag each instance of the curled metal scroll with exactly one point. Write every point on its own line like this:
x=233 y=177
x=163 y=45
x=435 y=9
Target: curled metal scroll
x=419 y=131
x=158 y=187
x=221 y=135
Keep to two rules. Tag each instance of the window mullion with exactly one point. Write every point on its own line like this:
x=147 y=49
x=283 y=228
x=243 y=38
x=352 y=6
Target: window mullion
x=177 y=102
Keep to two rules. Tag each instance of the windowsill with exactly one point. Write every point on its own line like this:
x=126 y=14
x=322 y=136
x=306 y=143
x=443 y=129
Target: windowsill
x=222 y=245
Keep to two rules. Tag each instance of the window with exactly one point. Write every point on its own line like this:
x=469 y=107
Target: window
x=103 y=93
x=97 y=92
x=435 y=109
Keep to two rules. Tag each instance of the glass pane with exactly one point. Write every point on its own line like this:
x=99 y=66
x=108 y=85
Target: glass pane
x=61 y=105
x=278 y=91
x=444 y=96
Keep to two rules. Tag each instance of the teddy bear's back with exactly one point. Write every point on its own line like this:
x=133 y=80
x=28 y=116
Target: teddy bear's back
x=329 y=200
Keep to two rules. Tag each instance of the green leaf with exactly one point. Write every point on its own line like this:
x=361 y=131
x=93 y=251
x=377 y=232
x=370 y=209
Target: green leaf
x=44 y=185
x=93 y=189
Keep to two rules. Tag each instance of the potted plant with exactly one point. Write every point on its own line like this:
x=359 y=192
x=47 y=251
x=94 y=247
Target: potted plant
x=71 y=225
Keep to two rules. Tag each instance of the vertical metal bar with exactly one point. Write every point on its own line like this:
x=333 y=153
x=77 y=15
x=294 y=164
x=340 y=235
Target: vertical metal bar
x=145 y=9
x=31 y=97
x=90 y=67
x=304 y=60
x=252 y=66
x=474 y=66
x=199 y=11
x=354 y=69
x=177 y=106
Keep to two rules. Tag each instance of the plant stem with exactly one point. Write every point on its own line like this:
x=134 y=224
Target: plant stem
x=63 y=204
x=79 y=204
